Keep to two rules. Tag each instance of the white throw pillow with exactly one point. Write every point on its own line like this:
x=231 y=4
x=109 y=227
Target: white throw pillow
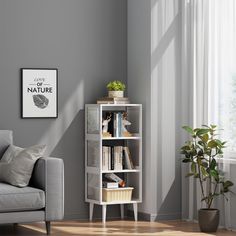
x=18 y=171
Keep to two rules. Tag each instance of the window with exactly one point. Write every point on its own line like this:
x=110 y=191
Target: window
x=222 y=69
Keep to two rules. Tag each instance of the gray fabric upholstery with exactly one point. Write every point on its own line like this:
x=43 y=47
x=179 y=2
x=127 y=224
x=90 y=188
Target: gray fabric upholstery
x=13 y=199
x=11 y=152
x=18 y=171
x=49 y=175
x=45 y=196
x=6 y=139
x=22 y=217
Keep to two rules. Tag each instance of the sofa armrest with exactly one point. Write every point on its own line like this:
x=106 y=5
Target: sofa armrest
x=48 y=175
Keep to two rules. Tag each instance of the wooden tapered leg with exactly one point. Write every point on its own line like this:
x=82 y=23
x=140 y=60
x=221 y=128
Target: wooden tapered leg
x=48 y=227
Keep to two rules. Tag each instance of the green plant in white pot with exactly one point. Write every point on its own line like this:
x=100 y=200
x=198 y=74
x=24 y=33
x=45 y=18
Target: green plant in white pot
x=116 y=88
x=201 y=151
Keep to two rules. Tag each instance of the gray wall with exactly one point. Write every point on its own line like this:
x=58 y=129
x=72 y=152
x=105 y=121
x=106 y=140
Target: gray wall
x=153 y=73
x=138 y=73
x=86 y=41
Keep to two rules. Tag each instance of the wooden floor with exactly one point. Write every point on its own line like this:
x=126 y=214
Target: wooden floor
x=167 y=228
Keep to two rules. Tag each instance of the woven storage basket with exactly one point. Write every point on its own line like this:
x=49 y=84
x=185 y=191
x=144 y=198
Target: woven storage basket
x=117 y=195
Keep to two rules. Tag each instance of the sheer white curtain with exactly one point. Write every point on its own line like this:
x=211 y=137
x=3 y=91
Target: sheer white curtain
x=195 y=59
x=209 y=31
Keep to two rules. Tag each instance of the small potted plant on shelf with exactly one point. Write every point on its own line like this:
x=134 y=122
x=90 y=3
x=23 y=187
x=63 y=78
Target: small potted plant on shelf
x=201 y=152
x=116 y=89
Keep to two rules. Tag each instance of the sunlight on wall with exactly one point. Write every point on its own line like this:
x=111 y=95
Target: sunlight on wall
x=55 y=132
x=162 y=16
x=168 y=119
x=164 y=26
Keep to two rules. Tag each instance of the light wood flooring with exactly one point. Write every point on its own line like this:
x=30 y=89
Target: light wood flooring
x=116 y=227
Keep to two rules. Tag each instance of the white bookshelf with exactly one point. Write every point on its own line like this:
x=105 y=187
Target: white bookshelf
x=94 y=141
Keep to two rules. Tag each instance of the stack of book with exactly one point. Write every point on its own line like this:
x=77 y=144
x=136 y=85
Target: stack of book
x=116 y=158
x=116 y=100
x=110 y=185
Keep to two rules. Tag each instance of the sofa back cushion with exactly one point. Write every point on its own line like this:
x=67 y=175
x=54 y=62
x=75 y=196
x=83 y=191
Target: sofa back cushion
x=6 y=139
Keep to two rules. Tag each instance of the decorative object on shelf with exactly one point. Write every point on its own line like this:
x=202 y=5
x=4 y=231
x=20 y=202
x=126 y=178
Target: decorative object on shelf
x=115 y=178
x=39 y=93
x=115 y=124
x=115 y=100
x=105 y=122
x=116 y=89
x=201 y=152
x=125 y=122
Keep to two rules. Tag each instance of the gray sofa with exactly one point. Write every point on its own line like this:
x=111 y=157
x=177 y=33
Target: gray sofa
x=42 y=200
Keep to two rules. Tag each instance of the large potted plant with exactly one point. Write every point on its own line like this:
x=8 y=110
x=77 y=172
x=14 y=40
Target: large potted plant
x=116 y=89
x=201 y=152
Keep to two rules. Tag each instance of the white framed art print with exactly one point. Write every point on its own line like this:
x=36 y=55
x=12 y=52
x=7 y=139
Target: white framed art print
x=39 y=90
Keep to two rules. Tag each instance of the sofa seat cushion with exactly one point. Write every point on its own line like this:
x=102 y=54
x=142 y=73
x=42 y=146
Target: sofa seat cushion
x=13 y=199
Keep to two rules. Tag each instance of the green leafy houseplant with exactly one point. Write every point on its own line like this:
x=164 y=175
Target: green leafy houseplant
x=116 y=85
x=201 y=152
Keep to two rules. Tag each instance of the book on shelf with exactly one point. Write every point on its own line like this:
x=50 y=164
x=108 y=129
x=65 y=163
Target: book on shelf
x=128 y=160
x=116 y=158
x=105 y=158
x=116 y=100
x=110 y=185
x=117 y=124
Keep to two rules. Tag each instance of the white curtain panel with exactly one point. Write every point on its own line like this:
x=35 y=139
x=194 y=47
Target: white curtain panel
x=209 y=52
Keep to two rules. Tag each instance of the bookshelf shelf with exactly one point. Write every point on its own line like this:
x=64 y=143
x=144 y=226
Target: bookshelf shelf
x=121 y=171
x=95 y=144
x=121 y=202
x=121 y=138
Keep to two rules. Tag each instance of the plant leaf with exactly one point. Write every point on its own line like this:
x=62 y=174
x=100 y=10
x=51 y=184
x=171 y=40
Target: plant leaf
x=188 y=129
x=228 y=184
x=186 y=160
x=202 y=131
x=193 y=167
x=212 y=144
x=204 y=172
x=205 y=138
x=213 y=164
x=214 y=173
x=189 y=174
x=205 y=164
